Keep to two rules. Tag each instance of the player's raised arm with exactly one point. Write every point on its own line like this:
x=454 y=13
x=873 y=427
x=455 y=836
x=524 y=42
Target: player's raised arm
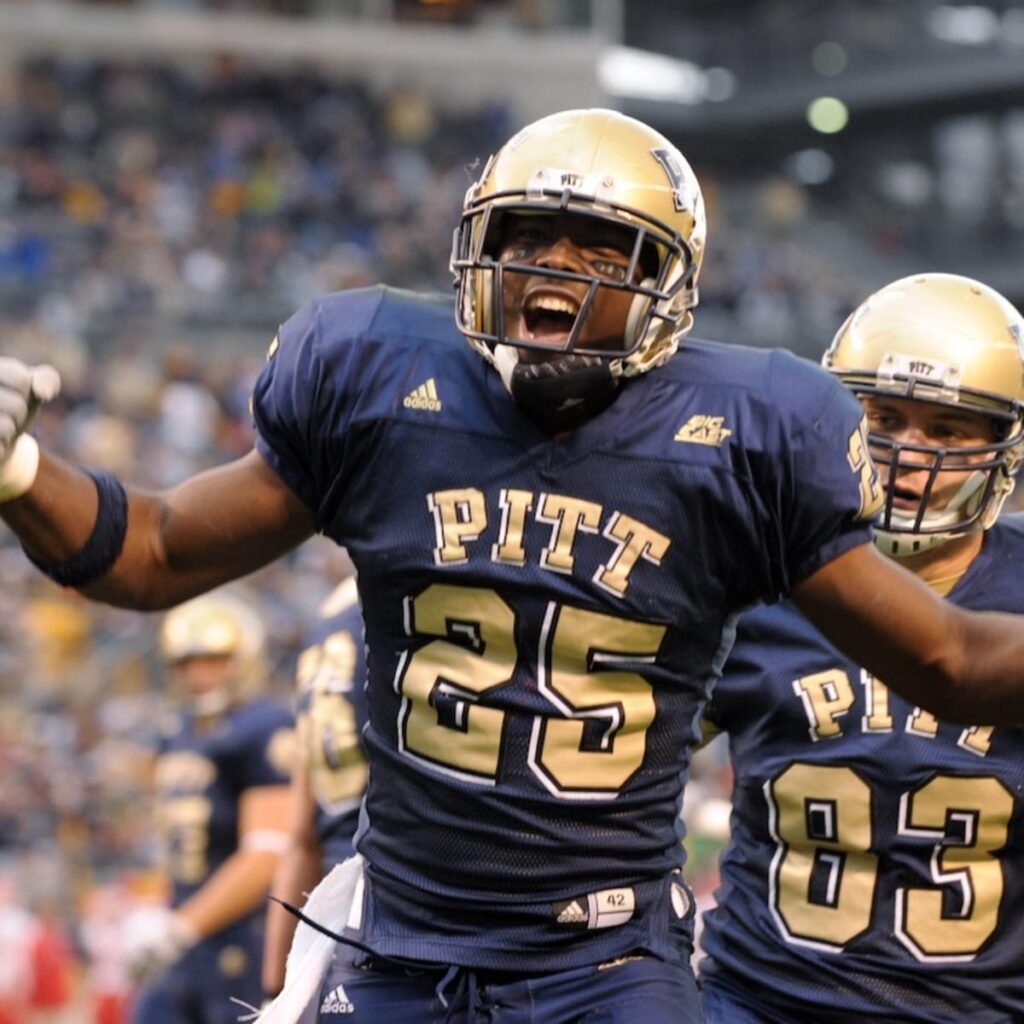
x=960 y=665
x=126 y=547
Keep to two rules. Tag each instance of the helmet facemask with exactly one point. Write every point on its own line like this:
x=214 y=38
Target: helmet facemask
x=975 y=505
x=659 y=276
x=207 y=701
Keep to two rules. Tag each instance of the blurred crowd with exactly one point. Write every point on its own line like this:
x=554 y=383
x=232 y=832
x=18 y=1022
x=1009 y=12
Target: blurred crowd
x=529 y=14
x=156 y=224
x=84 y=699
x=218 y=196
x=141 y=204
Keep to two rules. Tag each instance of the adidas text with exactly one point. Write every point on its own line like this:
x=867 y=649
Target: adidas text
x=424 y=397
x=573 y=914
x=337 y=1001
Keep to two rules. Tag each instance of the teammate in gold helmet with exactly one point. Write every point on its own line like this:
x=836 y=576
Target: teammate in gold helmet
x=221 y=793
x=215 y=645
x=874 y=867
x=949 y=349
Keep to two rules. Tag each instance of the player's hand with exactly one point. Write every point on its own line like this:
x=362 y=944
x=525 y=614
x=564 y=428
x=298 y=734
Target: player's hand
x=23 y=389
x=156 y=938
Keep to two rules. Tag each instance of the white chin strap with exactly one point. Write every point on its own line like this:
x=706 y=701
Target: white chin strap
x=505 y=358
x=905 y=543
x=212 y=703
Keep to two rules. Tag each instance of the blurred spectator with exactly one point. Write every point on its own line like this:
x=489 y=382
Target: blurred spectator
x=103 y=941
x=53 y=970
x=189 y=414
x=16 y=928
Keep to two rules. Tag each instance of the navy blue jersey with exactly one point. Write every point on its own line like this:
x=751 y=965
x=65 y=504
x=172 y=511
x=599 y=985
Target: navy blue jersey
x=201 y=773
x=330 y=715
x=873 y=863
x=544 y=616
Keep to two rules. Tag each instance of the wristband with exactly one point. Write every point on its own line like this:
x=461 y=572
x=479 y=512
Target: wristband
x=18 y=473
x=104 y=545
x=266 y=840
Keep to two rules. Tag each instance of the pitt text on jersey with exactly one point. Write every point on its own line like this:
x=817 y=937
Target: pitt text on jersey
x=829 y=696
x=461 y=517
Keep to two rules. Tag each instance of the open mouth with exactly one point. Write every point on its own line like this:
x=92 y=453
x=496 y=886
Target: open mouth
x=549 y=317
x=905 y=499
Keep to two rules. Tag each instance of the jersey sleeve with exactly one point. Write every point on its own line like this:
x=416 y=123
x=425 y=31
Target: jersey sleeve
x=266 y=748
x=301 y=406
x=826 y=492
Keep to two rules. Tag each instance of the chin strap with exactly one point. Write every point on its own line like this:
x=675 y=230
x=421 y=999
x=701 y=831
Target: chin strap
x=903 y=545
x=561 y=393
x=212 y=703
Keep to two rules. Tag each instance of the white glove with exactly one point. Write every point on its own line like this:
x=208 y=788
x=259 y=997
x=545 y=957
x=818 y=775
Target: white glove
x=155 y=938
x=23 y=389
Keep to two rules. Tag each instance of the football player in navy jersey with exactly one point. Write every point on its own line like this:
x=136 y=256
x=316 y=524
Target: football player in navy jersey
x=874 y=871
x=554 y=529
x=221 y=792
x=330 y=767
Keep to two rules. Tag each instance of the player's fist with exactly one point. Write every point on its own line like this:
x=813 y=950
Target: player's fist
x=156 y=938
x=22 y=390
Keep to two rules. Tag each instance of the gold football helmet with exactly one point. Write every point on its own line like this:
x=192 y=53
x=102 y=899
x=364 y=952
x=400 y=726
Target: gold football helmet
x=953 y=341
x=605 y=165
x=217 y=624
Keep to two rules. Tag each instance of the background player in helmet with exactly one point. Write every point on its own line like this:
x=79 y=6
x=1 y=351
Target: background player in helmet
x=222 y=798
x=547 y=601
x=874 y=870
x=330 y=766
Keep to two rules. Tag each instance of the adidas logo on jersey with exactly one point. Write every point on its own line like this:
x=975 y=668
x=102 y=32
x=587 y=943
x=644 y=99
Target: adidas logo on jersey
x=573 y=913
x=702 y=429
x=337 y=1001
x=424 y=397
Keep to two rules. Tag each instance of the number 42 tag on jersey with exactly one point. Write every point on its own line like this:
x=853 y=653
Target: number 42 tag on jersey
x=605 y=909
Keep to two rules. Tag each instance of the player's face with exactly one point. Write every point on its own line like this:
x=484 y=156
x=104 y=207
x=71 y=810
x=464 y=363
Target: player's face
x=544 y=308
x=907 y=421
x=206 y=673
